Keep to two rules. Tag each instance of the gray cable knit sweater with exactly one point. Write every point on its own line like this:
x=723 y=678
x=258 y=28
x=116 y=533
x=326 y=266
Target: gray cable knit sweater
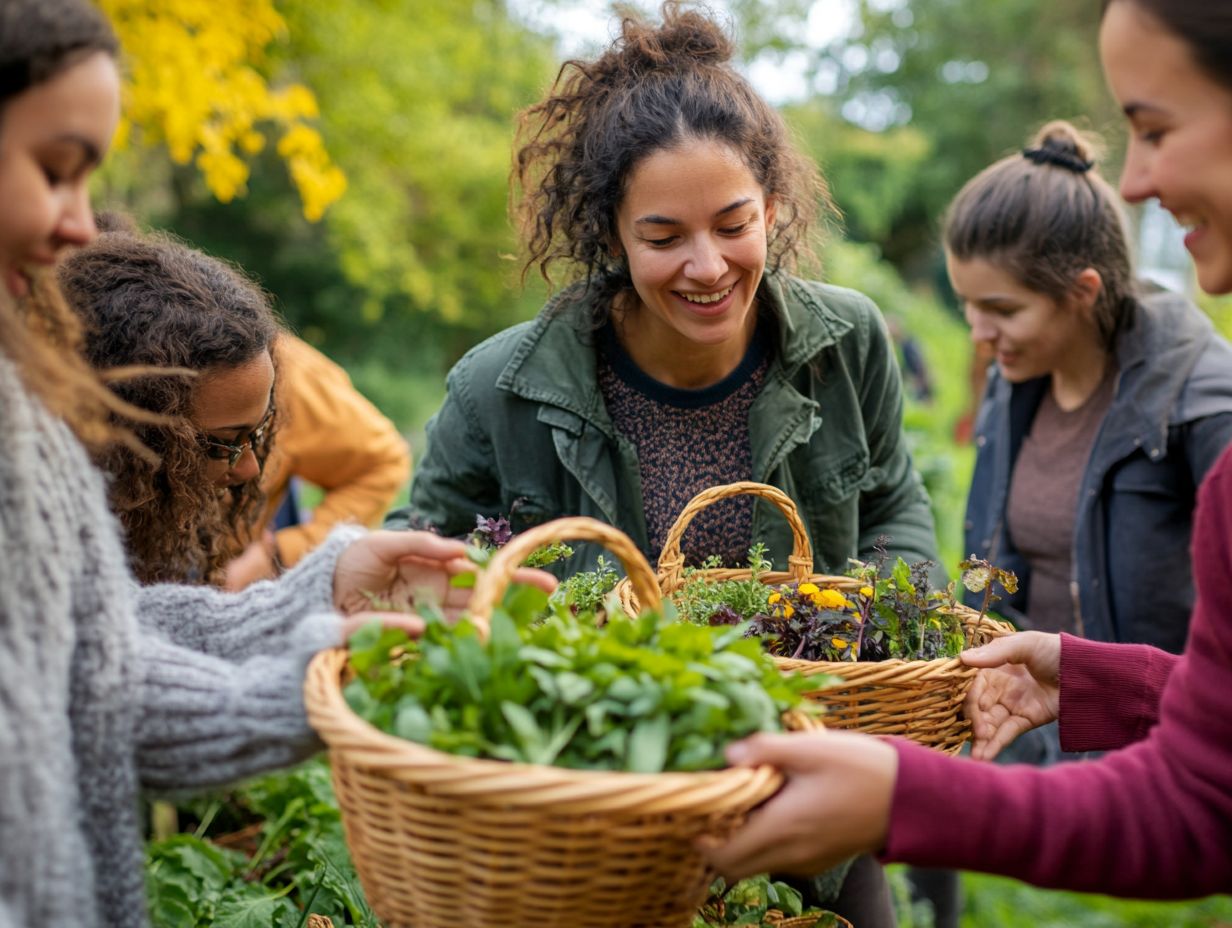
x=106 y=687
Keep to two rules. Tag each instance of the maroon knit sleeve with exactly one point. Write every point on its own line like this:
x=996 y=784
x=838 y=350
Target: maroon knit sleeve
x=1152 y=820
x=1110 y=693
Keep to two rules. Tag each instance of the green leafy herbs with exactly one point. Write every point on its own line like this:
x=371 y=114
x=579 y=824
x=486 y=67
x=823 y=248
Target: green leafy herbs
x=267 y=855
x=724 y=602
x=587 y=591
x=756 y=901
x=645 y=695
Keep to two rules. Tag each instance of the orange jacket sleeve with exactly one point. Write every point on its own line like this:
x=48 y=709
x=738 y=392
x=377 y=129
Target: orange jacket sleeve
x=331 y=436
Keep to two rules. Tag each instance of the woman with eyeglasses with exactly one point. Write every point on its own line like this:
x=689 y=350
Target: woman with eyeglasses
x=150 y=301
x=107 y=687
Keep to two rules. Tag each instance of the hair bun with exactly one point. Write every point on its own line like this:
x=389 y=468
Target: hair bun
x=1059 y=143
x=686 y=38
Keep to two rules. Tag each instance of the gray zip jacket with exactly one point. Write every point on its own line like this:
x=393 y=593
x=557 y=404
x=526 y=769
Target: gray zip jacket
x=1169 y=420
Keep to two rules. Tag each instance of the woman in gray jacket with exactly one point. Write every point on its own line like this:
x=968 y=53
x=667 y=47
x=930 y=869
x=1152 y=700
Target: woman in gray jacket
x=1106 y=407
x=106 y=687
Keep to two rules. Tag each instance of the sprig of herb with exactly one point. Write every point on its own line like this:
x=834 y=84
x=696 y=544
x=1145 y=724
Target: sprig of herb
x=724 y=602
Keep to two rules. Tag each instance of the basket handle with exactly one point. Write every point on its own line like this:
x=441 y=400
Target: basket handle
x=671 y=560
x=491 y=585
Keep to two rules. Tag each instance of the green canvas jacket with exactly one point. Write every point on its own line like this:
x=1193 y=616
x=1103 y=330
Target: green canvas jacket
x=524 y=429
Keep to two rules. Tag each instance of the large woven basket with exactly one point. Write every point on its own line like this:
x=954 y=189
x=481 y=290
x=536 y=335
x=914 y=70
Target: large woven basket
x=919 y=700
x=441 y=841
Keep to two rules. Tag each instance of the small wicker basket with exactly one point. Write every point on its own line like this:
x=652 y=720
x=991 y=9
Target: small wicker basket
x=441 y=840
x=919 y=700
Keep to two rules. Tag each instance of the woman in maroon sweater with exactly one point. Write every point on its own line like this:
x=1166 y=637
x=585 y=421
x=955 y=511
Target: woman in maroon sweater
x=1154 y=818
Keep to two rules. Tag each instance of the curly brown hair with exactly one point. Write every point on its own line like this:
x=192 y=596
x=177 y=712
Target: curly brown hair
x=655 y=87
x=40 y=39
x=151 y=301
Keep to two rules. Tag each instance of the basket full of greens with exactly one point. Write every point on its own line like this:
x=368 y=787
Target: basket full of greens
x=884 y=641
x=529 y=766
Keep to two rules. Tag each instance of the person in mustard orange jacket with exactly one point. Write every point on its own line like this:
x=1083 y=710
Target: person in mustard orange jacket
x=329 y=435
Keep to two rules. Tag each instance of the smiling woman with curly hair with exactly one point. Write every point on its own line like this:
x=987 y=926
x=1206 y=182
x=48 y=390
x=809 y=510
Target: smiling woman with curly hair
x=150 y=301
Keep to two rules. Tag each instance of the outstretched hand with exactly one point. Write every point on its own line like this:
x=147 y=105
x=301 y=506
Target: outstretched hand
x=835 y=804
x=1017 y=689
x=385 y=574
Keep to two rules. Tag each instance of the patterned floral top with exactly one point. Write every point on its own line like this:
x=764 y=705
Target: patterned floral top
x=688 y=441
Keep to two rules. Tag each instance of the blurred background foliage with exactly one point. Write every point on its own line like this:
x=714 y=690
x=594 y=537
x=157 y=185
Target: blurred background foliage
x=353 y=156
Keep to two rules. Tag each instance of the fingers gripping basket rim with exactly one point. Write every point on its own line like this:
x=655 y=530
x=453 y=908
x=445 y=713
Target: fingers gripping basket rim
x=919 y=700
x=441 y=840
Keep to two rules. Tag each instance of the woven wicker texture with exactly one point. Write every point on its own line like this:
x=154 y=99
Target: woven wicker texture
x=809 y=921
x=919 y=700
x=441 y=841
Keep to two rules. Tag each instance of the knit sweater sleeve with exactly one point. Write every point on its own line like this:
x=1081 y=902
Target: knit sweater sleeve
x=256 y=620
x=1151 y=820
x=222 y=674
x=1110 y=693
x=205 y=721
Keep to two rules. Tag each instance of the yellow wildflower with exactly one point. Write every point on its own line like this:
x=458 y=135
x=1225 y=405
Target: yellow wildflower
x=832 y=599
x=839 y=643
x=808 y=589
x=789 y=610
x=866 y=592
x=775 y=597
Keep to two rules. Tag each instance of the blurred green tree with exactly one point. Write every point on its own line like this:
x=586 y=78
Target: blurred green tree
x=974 y=79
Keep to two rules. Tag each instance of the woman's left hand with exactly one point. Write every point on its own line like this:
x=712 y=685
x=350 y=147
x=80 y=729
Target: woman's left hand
x=834 y=805
x=384 y=574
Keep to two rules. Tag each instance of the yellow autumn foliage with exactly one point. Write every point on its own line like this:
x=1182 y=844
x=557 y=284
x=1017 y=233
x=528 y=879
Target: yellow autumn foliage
x=193 y=84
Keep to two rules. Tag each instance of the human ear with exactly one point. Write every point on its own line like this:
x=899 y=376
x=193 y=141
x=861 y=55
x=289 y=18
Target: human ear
x=771 y=208
x=1086 y=288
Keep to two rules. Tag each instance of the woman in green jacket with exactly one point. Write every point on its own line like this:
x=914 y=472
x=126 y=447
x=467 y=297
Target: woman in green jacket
x=684 y=355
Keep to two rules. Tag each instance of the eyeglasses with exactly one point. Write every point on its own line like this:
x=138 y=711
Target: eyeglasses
x=218 y=450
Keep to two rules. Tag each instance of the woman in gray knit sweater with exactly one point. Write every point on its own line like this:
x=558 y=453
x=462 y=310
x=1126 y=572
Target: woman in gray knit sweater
x=105 y=687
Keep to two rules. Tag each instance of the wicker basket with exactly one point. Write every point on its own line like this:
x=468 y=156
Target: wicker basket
x=808 y=921
x=441 y=841
x=919 y=700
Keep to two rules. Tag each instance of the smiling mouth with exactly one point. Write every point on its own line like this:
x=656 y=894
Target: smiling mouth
x=703 y=299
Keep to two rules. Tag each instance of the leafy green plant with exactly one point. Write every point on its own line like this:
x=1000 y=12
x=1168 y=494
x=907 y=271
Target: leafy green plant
x=645 y=695
x=758 y=901
x=587 y=591
x=724 y=602
x=267 y=854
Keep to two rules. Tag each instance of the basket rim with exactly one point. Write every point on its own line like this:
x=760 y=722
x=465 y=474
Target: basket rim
x=517 y=783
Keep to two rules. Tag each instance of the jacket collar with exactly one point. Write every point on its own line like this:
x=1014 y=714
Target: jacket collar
x=1155 y=355
x=554 y=361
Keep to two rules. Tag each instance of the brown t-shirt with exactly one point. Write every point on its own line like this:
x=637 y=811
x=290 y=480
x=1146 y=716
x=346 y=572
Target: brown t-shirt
x=1043 y=502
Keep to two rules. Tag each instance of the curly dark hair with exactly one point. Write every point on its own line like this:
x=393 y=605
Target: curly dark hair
x=152 y=301
x=655 y=87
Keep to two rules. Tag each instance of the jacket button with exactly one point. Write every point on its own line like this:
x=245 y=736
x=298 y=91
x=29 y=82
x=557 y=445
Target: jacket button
x=981 y=441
